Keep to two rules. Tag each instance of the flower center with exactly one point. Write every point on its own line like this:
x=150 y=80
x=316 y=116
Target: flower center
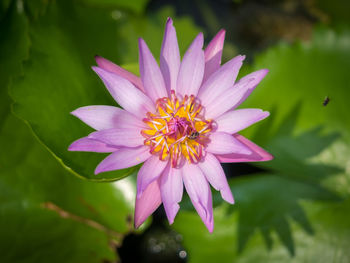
x=178 y=130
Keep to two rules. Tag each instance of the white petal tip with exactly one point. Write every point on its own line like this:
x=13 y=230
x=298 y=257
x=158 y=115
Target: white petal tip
x=137 y=223
x=265 y=114
x=210 y=226
x=268 y=157
x=98 y=70
x=93 y=135
x=100 y=169
x=74 y=113
x=172 y=213
x=264 y=73
x=171 y=221
x=73 y=147
x=227 y=197
x=229 y=200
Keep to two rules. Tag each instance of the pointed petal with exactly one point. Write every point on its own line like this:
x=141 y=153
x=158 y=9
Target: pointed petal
x=237 y=120
x=130 y=98
x=171 y=188
x=151 y=76
x=234 y=96
x=220 y=81
x=215 y=175
x=224 y=143
x=149 y=172
x=119 y=137
x=86 y=144
x=170 y=56
x=106 y=117
x=213 y=53
x=146 y=204
x=250 y=82
x=258 y=154
x=123 y=158
x=191 y=68
x=199 y=191
x=110 y=66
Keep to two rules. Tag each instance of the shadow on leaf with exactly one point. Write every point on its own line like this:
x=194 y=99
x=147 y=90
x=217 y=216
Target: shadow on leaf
x=269 y=202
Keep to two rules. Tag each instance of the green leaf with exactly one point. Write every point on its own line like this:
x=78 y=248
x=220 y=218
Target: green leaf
x=48 y=215
x=58 y=79
x=328 y=241
x=281 y=215
x=14 y=46
x=137 y=6
x=306 y=74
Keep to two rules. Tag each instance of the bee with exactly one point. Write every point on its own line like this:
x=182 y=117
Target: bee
x=326 y=101
x=194 y=135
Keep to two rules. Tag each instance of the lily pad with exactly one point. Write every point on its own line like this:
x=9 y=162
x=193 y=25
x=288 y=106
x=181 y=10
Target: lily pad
x=327 y=241
x=14 y=36
x=49 y=215
x=57 y=79
x=44 y=209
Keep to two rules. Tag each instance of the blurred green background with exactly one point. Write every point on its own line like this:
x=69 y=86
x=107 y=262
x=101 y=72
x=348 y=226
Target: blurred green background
x=295 y=208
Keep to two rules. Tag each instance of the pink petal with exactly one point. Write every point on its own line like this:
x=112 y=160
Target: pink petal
x=237 y=120
x=130 y=98
x=86 y=144
x=149 y=172
x=119 y=137
x=106 y=117
x=110 y=66
x=258 y=154
x=170 y=56
x=128 y=121
x=199 y=191
x=251 y=81
x=220 y=81
x=123 y=158
x=171 y=188
x=224 y=143
x=234 y=96
x=151 y=76
x=146 y=204
x=214 y=173
x=191 y=68
x=213 y=54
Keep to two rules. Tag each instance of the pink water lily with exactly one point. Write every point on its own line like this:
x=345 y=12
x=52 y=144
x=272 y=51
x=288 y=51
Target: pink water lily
x=180 y=119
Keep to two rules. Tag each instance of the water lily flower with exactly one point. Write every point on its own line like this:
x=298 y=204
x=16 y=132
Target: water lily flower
x=179 y=119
